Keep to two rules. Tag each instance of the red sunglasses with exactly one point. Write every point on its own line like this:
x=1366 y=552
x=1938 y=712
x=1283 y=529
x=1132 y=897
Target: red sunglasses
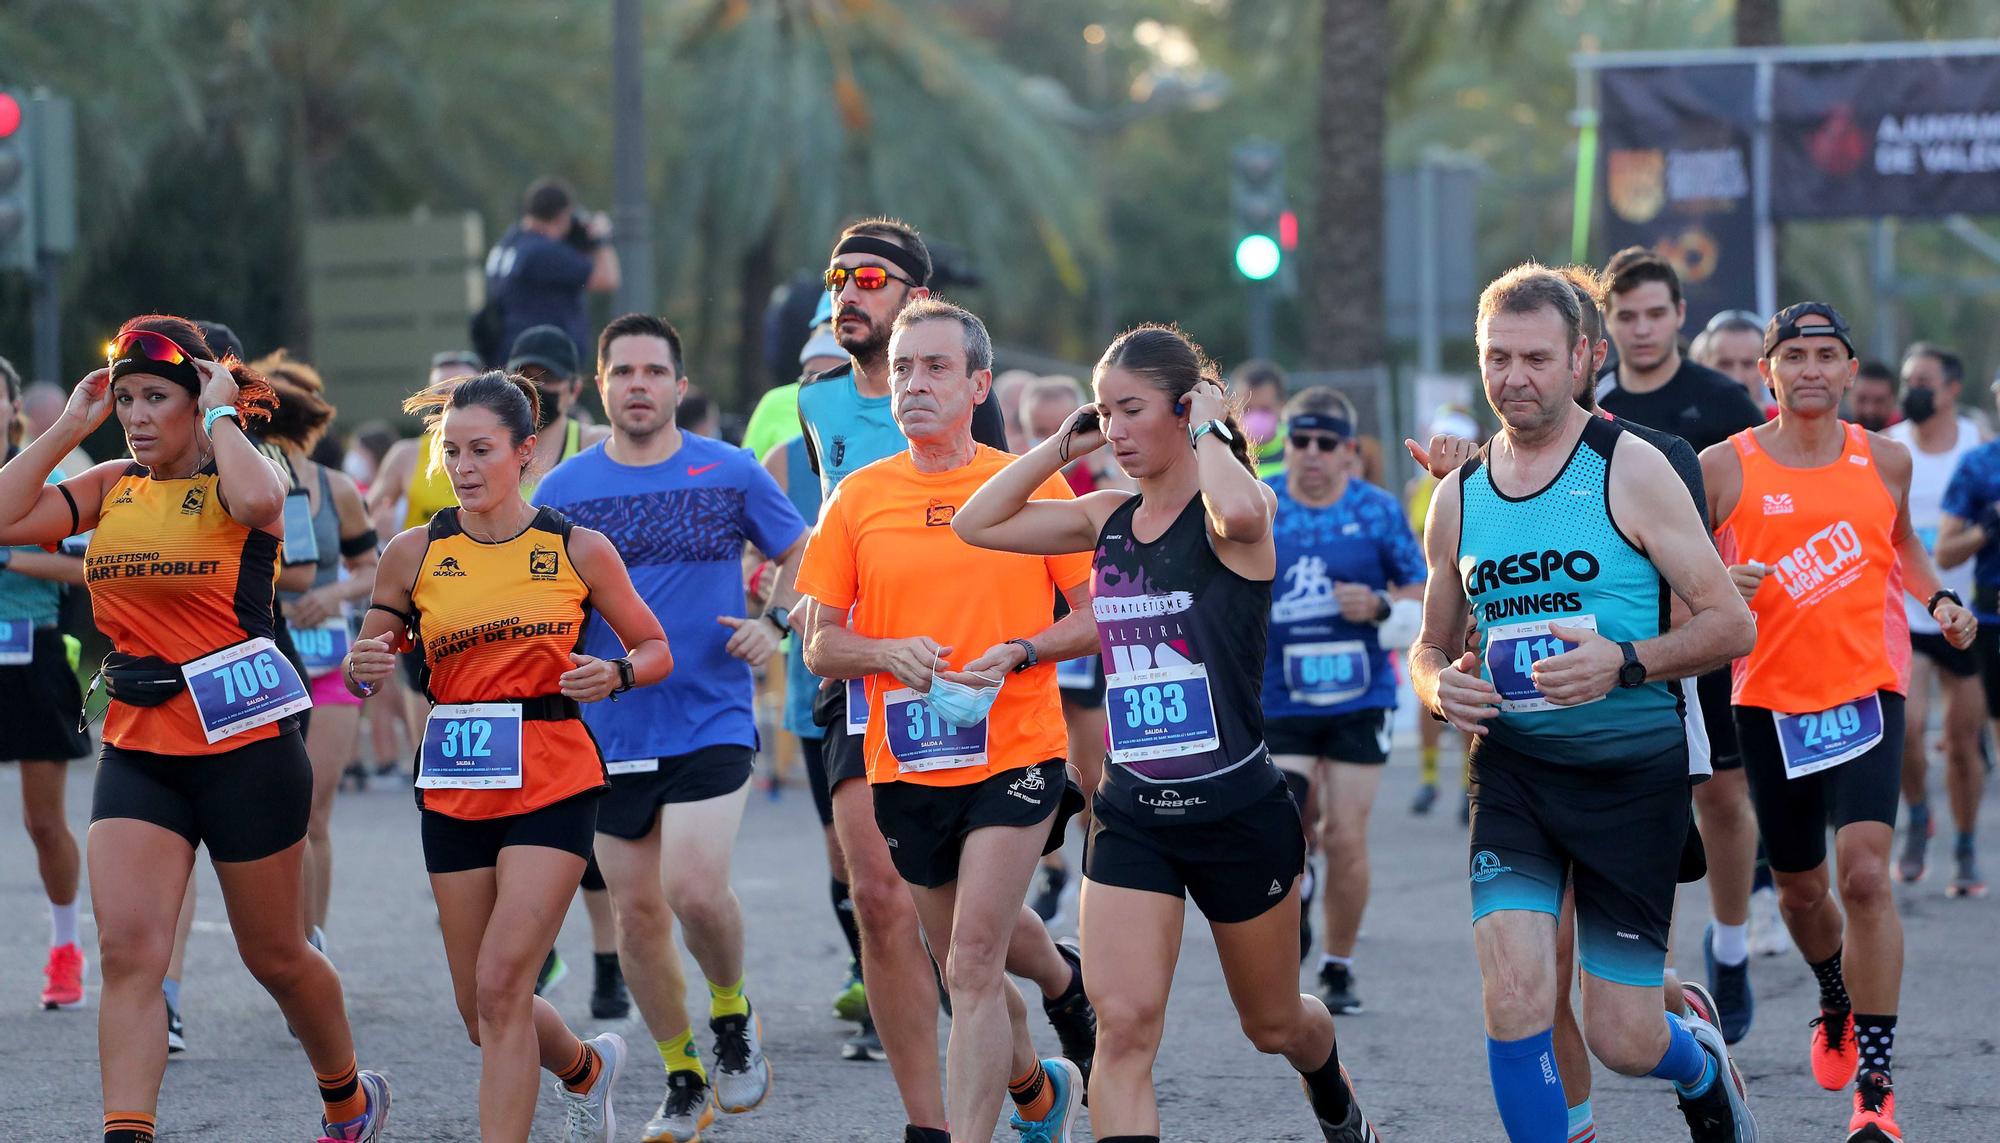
x=149 y=345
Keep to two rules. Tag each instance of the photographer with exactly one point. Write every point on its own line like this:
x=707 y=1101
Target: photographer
x=540 y=269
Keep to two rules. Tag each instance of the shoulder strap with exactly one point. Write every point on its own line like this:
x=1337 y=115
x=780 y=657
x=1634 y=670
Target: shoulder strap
x=548 y=519
x=1600 y=434
x=444 y=525
x=1745 y=442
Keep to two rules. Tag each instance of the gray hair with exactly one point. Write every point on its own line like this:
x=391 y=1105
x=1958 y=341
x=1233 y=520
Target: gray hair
x=1530 y=288
x=978 y=345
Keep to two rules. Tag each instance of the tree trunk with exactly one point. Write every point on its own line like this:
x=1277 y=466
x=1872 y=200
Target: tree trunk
x=760 y=277
x=1344 y=242
x=1758 y=23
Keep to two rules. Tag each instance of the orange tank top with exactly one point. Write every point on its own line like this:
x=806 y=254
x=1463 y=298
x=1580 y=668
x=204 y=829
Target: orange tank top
x=498 y=622
x=172 y=575
x=1830 y=622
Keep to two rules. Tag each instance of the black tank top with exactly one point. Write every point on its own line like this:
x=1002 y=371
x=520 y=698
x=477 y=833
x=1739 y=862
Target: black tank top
x=1183 y=642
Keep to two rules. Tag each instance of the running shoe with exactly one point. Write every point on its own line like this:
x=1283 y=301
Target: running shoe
x=1735 y=1006
x=1768 y=935
x=864 y=1044
x=1917 y=829
x=369 y=1125
x=587 y=1116
x=1353 y=1126
x=742 y=1074
x=1966 y=882
x=1874 y=1111
x=1721 y=1114
x=64 y=974
x=851 y=1002
x=553 y=971
x=1072 y=1017
x=1427 y=797
x=685 y=1112
x=1047 y=899
x=176 y=1031
x=1701 y=1004
x=1055 y=1126
x=1834 y=1054
x=1336 y=989
x=608 y=998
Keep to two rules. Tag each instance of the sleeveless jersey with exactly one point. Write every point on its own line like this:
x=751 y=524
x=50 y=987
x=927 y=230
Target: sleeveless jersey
x=1172 y=604
x=172 y=575
x=1556 y=555
x=1930 y=473
x=498 y=623
x=430 y=489
x=1830 y=623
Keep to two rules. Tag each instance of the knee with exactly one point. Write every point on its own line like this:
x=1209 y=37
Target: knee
x=1518 y=1005
x=1628 y=1050
x=46 y=830
x=123 y=956
x=500 y=993
x=1796 y=897
x=881 y=903
x=643 y=919
x=976 y=963
x=1864 y=884
x=1272 y=1032
x=1128 y=1025
x=1345 y=839
x=278 y=964
x=701 y=900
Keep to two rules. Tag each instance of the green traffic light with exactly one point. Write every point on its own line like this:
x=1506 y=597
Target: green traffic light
x=1258 y=256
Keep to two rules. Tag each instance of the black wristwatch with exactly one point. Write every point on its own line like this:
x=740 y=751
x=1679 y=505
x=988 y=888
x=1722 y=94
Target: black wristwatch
x=1632 y=672
x=627 y=677
x=781 y=618
x=1388 y=607
x=1032 y=658
x=1930 y=608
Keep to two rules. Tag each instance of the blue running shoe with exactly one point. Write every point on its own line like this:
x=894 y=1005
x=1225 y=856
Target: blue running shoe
x=1735 y=1007
x=368 y=1126
x=1055 y=1126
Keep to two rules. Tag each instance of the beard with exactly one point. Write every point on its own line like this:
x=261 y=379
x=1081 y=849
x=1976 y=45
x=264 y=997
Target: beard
x=868 y=345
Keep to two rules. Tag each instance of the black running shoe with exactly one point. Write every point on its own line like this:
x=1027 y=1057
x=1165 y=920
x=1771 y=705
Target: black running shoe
x=1336 y=988
x=608 y=998
x=1049 y=885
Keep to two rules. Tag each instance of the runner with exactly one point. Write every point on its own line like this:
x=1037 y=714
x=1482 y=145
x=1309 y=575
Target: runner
x=1873 y=396
x=1730 y=344
x=1938 y=438
x=878 y=267
x=1263 y=385
x=199 y=744
x=1554 y=794
x=679 y=509
x=1813 y=519
x=1969 y=529
x=326 y=526
x=1346 y=558
x=39 y=734
x=1191 y=803
x=966 y=763
x=509 y=776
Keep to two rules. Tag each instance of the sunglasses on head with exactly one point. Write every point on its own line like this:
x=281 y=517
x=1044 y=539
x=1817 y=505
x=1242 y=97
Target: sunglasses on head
x=149 y=345
x=864 y=277
x=1324 y=442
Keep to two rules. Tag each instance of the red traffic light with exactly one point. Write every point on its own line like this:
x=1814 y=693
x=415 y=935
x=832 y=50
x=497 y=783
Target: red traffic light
x=1288 y=230
x=10 y=115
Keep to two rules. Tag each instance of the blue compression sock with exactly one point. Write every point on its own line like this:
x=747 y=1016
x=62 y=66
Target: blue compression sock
x=1690 y=1068
x=1527 y=1088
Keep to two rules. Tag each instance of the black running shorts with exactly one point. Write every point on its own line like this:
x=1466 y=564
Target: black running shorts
x=1712 y=691
x=1235 y=868
x=1360 y=736
x=631 y=807
x=810 y=749
x=842 y=756
x=42 y=700
x=1949 y=659
x=1793 y=814
x=244 y=804
x=926 y=826
x=455 y=845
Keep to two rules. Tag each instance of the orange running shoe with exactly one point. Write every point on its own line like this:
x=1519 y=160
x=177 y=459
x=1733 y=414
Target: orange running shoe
x=65 y=978
x=1874 y=1111
x=1834 y=1054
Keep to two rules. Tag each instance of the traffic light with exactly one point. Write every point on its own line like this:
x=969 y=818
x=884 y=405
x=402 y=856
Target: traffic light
x=17 y=181
x=1257 y=202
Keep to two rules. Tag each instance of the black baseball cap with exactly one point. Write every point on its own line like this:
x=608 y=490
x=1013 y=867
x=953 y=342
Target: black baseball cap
x=1806 y=319
x=221 y=339
x=547 y=346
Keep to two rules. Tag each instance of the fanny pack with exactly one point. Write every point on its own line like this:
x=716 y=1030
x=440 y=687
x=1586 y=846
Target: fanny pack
x=141 y=680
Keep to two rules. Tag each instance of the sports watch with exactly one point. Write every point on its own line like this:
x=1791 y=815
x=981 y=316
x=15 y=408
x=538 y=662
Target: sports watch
x=1029 y=649
x=1930 y=608
x=1211 y=425
x=781 y=618
x=627 y=677
x=1632 y=672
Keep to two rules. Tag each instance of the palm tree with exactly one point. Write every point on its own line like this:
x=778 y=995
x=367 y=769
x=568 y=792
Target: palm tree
x=1345 y=248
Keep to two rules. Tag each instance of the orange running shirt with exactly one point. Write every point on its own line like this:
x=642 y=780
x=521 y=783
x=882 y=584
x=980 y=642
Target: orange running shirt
x=884 y=547
x=1830 y=622
x=172 y=575
x=498 y=623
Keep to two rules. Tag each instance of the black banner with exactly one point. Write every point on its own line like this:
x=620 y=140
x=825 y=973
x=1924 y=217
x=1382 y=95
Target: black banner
x=1904 y=137
x=1676 y=176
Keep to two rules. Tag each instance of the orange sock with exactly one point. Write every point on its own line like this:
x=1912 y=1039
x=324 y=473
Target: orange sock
x=1033 y=1094
x=128 y=1127
x=581 y=1072
x=342 y=1094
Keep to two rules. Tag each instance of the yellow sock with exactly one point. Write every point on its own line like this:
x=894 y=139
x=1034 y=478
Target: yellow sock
x=680 y=1055
x=727 y=1001
x=1427 y=765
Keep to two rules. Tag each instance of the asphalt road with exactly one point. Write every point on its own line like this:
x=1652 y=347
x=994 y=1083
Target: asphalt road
x=1417 y=1055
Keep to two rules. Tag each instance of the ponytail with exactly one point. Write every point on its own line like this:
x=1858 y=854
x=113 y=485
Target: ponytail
x=509 y=396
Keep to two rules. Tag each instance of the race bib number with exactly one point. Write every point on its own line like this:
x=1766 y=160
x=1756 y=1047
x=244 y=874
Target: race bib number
x=1077 y=674
x=472 y=746
x=922 y=741
x=301 y=542
x=633 y=766
x=243 y=687
x=1513 y=650
x=1326 y=674
x=17 y=642
x=321 y=648
x=857 y=707
x=1162 y=713
x=1821 y=740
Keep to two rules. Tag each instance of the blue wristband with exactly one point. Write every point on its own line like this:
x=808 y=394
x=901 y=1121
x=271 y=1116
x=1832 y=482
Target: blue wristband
x=209 y=418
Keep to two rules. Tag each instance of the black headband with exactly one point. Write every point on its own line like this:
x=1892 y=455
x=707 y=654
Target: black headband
x=184 y=374
x=1325 y=422
x=902 y=259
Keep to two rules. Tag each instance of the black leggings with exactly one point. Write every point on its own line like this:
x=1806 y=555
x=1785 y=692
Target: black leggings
x=244 y=804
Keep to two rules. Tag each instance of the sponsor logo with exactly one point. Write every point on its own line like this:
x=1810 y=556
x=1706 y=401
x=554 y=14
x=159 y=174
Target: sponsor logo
x=124 y=495
x=892 y=843
x=1486 y=866
x=1275 y=889
x=1548 y=1069
x=697 y=471
x=938 y=514
x=1579 y=492
x=192 y=502
x=1860 y=460
x=1636 y=183
x=1525 y=568
x=1838 y=144
x=1028 y=787
x=447 y=567
x=1170 y=802
x=1350 y=529
x=1625 y=936
x=1310 y=594
x=1828 y=560
x=543 y=563
x=1778 y=504
x=839 y=450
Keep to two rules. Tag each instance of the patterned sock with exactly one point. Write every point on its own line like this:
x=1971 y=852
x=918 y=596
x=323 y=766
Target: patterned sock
x=341 y=1091
x=128 y=1127
x=1875 y=1036
x=727 y=1000
x=1691 y=1069
x=1033 y=1094
x=1582 y=1126
x=680 y=1055
x=1832 y=986
x=582 y=1071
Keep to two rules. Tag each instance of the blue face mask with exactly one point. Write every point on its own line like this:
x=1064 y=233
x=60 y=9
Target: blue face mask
x=957 y=703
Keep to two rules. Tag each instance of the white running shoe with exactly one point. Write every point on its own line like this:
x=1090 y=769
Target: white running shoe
x=587 y=1117
x=1768 y=935
x=742 y=1074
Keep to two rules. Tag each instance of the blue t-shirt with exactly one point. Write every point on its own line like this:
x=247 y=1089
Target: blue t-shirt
x=1974 y=487
x=25 y=599
x=1316 y=664
x=538 y=280
x=680 y=526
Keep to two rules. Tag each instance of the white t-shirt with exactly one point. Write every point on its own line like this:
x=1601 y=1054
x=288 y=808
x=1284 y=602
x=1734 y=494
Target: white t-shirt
x=1929 y=473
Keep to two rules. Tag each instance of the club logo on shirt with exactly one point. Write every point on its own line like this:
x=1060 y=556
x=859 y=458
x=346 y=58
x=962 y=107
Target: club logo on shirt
x=124 y=495
x=1827 y=562
x=1028 y=787
x=447 y=567
x=938 y=514
x=543 y=563
x=1777 y=504
x=1310 y=594
x=192 y=502
x=1486 y=866
x=839 y=450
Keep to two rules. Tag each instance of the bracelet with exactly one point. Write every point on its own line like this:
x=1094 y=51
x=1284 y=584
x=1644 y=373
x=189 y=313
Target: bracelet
x=367 y=689
x=209 y=418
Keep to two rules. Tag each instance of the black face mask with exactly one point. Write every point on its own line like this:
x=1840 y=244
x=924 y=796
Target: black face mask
x=1919 y=404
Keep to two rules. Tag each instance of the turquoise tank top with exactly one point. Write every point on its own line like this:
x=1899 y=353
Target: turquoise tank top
x=1557 y=555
